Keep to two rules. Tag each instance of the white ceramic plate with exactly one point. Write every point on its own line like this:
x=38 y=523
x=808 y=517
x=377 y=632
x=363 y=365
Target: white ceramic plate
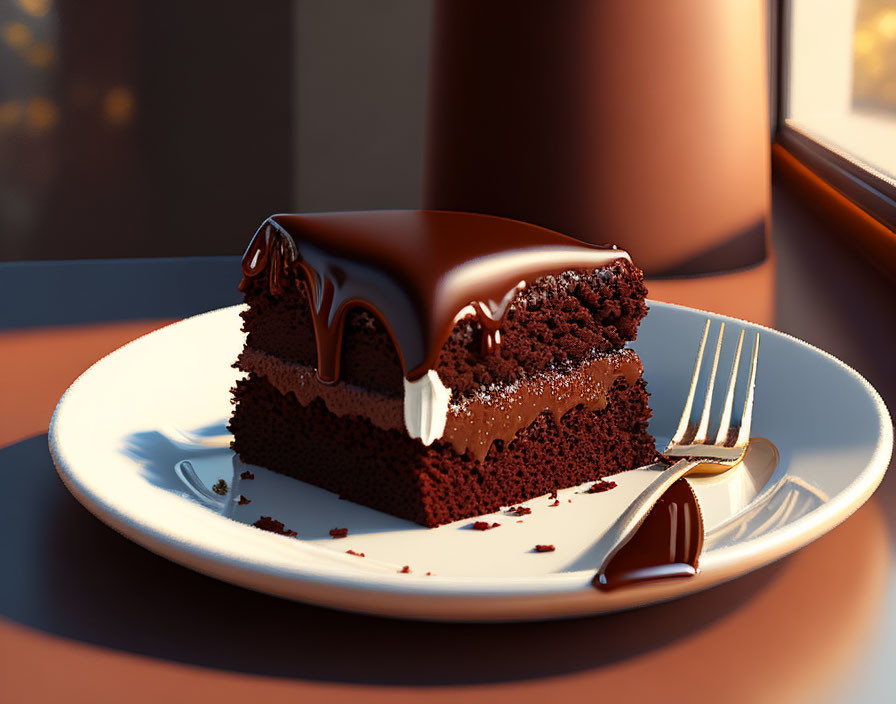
x=137 y=439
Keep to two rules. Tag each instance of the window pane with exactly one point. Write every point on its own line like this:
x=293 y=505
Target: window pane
x=840 y=86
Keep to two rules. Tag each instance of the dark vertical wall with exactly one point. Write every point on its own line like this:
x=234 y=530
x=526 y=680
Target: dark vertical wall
x=216 y=123
x=166 y=127
x=162 y=128
x=97 y=178
x=360 y=103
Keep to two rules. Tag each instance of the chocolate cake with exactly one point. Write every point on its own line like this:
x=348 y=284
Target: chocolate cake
x=438 y=365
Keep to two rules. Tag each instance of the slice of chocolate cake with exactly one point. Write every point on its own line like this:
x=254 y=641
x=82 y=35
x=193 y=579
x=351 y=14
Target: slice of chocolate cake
x=438 y=365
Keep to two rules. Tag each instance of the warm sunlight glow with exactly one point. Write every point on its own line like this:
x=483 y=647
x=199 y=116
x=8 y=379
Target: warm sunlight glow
x=10 y=114
x=874 y=57
x=886 y=24
x=41 y=115
x=17 y=35
x=841 y=87
x=864 y=42
x=36 y=8
x=40 y=55
x=118 y=106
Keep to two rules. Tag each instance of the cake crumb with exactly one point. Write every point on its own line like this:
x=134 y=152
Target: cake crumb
x=520 y=521
x=544 y=548
x=356 y=554
x=220 y=487
x=429 y=574
x=556 y=503
x=405 y=570
x=601 y=486
x=273 y=526
x=519 y=510
x=484 y=525
x=338 y=532
x=247 y=475
x=242 y=501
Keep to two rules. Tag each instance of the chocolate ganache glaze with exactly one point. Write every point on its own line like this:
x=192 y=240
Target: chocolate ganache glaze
x=666 y=545
x=476 y=421
x=418 y=271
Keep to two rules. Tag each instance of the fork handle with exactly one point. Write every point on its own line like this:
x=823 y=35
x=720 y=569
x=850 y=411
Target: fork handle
x=620 y=532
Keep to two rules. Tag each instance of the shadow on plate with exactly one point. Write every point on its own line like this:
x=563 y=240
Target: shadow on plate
x=178 y=461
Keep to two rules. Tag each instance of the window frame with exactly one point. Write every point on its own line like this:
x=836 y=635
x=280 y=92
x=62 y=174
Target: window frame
x=851 y=177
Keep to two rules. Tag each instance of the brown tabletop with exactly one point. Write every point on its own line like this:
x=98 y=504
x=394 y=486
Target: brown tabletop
x=86 y=615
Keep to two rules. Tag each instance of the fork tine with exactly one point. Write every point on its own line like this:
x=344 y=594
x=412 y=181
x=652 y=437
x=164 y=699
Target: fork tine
x=703 y=428
x=743 y=435
x=689 y=403
x=725 y=423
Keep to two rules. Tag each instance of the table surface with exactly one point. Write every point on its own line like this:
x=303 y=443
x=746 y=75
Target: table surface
x=86 y=615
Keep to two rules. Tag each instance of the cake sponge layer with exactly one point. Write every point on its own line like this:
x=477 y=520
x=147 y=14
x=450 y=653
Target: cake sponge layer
x=432 y=485
x=554 y=321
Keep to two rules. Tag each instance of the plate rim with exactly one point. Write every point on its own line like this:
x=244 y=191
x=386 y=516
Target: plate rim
x=718 y=566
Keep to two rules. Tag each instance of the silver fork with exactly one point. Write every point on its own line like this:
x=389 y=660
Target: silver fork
x=698 y=456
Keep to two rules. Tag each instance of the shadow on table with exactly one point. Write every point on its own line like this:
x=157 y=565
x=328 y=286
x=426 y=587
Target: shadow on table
x=78 y=579
x=70 y=292
x=847 y=312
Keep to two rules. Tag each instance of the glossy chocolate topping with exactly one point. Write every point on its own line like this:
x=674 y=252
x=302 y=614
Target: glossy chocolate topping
x=418 y=271
x=667 y=544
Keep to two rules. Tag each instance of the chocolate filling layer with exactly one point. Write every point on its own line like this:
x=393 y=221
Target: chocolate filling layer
x=475 y=421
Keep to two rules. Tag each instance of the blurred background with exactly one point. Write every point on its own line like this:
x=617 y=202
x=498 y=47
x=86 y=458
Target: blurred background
x=165 y=128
